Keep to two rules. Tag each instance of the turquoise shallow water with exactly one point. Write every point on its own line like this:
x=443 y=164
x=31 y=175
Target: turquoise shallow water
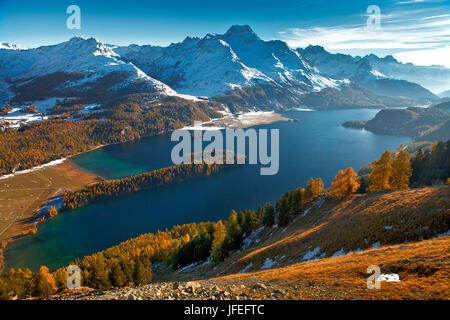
x=315 y=146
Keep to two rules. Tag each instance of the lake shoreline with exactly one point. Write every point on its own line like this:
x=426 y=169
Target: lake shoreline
x=311 y=126
x=230 y=121
x=249 y=119
x=27 y=218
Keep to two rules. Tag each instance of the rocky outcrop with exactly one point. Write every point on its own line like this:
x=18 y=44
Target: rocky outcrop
x=218 y=289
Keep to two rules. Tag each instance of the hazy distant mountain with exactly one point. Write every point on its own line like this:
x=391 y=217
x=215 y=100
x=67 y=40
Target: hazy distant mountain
x=444 y=94
x=434 y=78
x=362 y=72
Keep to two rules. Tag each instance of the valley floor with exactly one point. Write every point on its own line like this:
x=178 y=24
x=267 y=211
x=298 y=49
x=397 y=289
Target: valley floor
x=22 y=195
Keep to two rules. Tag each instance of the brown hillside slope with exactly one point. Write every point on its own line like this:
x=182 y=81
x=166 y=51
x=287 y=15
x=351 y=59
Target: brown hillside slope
x=423 y=268
x=388 y=228
x=358 y=223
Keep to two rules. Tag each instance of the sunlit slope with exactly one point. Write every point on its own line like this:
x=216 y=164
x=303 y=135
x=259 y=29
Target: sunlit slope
x=331 y=228
x=423 y=268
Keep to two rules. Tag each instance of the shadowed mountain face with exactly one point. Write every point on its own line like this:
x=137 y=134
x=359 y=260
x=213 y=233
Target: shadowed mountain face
x=423 y=124
x=237 y=68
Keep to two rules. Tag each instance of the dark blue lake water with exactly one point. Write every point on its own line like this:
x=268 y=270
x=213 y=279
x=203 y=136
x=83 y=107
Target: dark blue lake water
x=315 y=146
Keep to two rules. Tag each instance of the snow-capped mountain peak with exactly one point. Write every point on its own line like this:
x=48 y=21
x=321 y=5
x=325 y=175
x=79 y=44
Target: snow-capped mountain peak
x=77 y=65
x=217 y=64
x=237 y=68
x=10 y=46
x=243 y=32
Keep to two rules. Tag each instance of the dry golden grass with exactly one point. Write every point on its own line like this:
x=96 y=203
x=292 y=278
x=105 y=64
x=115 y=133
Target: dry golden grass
x=22 y=195
x=354 y=224
x=423 y=267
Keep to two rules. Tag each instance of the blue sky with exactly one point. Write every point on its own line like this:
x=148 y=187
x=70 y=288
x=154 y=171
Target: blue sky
x=411 y=30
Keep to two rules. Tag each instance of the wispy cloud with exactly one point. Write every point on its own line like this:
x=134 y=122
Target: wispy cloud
x=419 y=1
x=410 y=1
x=401 y=31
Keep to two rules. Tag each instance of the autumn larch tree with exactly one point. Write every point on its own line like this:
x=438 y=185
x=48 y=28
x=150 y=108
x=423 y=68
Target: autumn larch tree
x=44 y=283
x=381 y=173
x=52 y=212
x=401 y=171
x=314 y=188
x=345 y=183
x=351 y=183
x=336 y=189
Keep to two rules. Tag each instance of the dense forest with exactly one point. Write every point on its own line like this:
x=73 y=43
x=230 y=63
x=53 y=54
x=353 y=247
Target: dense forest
x=431 y=166
x=128 y=185
x=129 y=262
x=38 y=143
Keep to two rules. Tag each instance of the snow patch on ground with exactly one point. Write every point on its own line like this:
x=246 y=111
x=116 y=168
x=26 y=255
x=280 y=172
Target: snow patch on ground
x=15 y=117
x=253 y=238
x=194 y=265
x=316 y=204
x=443 y=234
x=376 y=245
x=89 y=108
x=45 y=104
x=268 y=263
x=202 y=128
x=52 y=163
x=342 y=252
x=246 y=268
x=339 y=253
x=378 y=74
x=310 y=255
x=389 y=277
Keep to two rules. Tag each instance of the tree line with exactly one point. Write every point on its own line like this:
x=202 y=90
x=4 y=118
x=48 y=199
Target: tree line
x=130 y=261
x=111 y=189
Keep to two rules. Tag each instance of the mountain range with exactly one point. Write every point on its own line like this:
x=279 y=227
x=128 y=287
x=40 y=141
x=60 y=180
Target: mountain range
x=237 y=69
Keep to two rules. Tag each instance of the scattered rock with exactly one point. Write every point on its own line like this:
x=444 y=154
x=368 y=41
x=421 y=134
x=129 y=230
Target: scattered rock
x=131 y=297
x=192 y=290
x=192 y=286
x=260 y=286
